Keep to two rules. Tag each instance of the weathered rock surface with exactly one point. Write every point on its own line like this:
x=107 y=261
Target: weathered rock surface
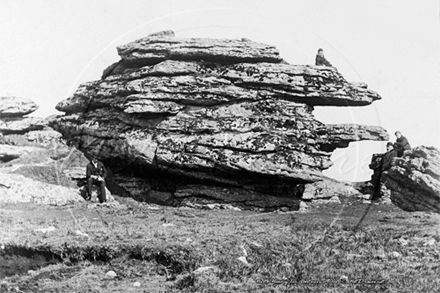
x=21 y=125
x=16 y=107
x=243 y=198
x=414 y=180
x=9 y=153
x=31 y=150
x=18 y=188
x=212 y=113
x=44 y=137
x=327 y=189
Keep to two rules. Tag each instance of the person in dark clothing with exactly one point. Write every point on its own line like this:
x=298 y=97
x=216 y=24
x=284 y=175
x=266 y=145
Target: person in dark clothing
x=380 y=164
x=388 y=157
x=96 y=174
x=402 y=144
x=376 y=166
x=320 y=59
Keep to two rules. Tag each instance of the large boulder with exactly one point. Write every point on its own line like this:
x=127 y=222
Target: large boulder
x=414 y=180
x=177 y=112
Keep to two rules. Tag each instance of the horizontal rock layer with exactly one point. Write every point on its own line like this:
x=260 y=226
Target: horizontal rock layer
x=21 y=125
x=165 y=46
x=185 y=112
x=16 y=107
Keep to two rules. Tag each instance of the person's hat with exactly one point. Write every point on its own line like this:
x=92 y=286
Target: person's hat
x=390 y=144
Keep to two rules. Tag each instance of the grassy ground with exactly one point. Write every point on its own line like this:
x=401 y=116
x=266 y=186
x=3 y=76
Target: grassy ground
x=348 y=247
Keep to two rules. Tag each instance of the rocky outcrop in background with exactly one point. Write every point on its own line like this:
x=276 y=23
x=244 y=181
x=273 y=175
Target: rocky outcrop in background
x=414 y=180
x=35 y=162
x=212 y=120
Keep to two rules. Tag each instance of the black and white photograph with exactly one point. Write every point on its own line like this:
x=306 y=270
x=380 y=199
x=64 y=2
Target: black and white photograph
x=220 y=146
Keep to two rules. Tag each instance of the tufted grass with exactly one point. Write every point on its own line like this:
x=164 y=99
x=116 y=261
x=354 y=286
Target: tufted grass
x=328 y=249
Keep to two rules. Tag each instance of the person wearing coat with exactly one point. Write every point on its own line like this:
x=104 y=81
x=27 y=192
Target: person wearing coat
x=96 y=173
x=320 y=59
x=402 y=144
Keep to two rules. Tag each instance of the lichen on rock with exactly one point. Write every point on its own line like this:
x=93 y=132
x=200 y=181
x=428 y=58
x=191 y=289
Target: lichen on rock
x=176 y=112
x=414 y=180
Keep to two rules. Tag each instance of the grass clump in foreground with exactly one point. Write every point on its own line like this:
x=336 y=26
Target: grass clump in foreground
x=318 y=258
x=184 y=250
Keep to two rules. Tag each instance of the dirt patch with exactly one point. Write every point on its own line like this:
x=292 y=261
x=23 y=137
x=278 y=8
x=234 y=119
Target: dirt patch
x=19 y=261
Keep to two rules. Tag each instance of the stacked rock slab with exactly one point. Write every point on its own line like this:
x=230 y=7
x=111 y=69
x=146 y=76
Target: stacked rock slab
x=13 y=119
x=34 y=158
x=414 y=180
x=183 y=115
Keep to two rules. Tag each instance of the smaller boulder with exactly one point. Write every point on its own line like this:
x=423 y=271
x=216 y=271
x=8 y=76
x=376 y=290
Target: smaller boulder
x=16 y=107
x=414 y=180
x=328 y=189
x=111 y=274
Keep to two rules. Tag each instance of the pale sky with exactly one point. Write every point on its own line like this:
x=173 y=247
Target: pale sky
x=49 y=47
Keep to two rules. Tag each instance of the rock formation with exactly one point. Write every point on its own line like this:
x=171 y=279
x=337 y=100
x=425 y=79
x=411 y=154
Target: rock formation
x=13 y=119
x=217 y=119
x=414 y=180
x=16 y=107
x=34 y=160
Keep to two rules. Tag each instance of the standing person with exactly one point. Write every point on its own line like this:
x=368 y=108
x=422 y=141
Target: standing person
x=381 y=164
x=320 y=59
x=96 y=174
x=402 y=144
x=388 y=157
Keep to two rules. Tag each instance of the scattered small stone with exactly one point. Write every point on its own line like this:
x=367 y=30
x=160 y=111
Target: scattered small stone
x=403 y=241
x=202 y=270
x=151 y=207
x=365 y=196
x=136 y=284
x=168 y=225
x=429 y=242
x=212 y=206
x=46 y=230
x=232 y=208
x=255 y=245
x=244 y=261
x=344 y=278
x=243 y=250
x=79 y=233
x=334 y=199
x=395 y=254
x=111 y=274
x=31 y=272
